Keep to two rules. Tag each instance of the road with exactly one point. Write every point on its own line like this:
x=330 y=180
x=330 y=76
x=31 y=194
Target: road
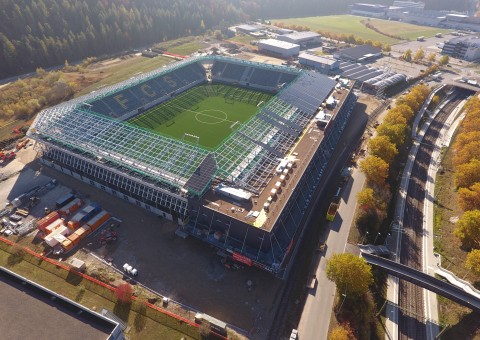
x=314 y=322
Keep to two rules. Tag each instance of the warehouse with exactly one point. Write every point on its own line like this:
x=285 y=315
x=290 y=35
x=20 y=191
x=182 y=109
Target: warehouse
x=304 y=39
x=466 y=48
x=359 y=54
x=248 y=29
x=323 y=64
x=278 y=48
x=369 y=10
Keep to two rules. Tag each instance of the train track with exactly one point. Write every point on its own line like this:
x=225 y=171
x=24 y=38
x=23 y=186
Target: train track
x=411 y=298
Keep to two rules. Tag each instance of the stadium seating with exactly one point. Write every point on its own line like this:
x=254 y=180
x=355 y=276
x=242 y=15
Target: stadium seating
x=263 y=77
x=137 y=96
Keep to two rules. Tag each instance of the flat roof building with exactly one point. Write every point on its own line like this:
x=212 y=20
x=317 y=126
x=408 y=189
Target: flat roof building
x=369 y=10
x=247 y=29
x=323 y=64
x=30 y=310
x=278 y=48
x=301 y=38
x=360 y=53
x=466 y=48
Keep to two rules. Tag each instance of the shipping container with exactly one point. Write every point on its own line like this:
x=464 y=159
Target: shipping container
x=63 y=201
x=53 y=226
x=44 y=222
x=67 y=245
x=74 y=222
x=74 y=238
x=83 y=216
x=83 y=231
x=71 y=207
x=98 y=220
x=50 y=240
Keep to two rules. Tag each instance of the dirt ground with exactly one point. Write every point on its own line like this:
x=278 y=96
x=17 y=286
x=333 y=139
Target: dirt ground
x=185 y=270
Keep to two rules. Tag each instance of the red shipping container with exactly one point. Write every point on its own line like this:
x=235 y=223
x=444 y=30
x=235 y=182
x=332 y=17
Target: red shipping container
x=47 y=220
x=71 y=207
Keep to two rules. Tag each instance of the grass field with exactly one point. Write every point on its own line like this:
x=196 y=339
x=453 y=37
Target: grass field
x=349 y=24
x=340 y=24
x=404 y=30
x=211 y=112
x=186 y=48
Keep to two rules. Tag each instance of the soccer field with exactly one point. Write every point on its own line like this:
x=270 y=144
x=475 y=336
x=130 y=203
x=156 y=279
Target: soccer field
x=210 y=112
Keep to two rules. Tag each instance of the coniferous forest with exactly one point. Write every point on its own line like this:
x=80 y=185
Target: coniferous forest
x=43 y=33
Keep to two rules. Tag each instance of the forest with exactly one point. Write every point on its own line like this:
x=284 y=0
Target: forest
x=44 y=33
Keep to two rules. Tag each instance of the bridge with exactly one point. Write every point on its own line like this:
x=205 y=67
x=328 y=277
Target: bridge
x=424 y=280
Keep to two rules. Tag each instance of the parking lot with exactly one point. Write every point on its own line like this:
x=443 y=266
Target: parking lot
x=185 y=270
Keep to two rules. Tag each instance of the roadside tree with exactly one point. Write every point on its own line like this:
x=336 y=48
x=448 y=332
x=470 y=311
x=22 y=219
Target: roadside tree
x=351 y=274
x=419 y=55
x=381 y=146
x=366 y=198
x=469 y=198
x=444 y=60
x=342 y=332
x=375 y=169
x=432 y=57
x=408 y=55
x=467 y=174
x=395 y=132
x=473 y=261
x=468 y=229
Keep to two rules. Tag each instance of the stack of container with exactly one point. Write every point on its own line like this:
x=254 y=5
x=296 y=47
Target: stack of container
x=47 y=220
x=53 y=226
x=83 y=216
x=57 y=234
x=88 y=227
x=71 y=207
x=61 y=202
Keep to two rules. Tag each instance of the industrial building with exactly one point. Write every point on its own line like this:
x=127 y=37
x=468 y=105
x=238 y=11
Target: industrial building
x=369 y=10
x=322 y=64
x=248 y=29
x=304 y=39
x=359 y=54
x=249 y=196
x=466 y=48
x=30 y=310
x=278 y=48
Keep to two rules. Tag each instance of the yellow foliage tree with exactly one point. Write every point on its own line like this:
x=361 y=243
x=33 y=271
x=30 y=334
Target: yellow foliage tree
x=342 y=332
x=468 y=229
x=351 y=274
x=366 y=197
x=395 y=132
x=473 y=261
x=419 y=55
x=381 y=146
x=467 y=174
x=469 y=198
x=375 y=169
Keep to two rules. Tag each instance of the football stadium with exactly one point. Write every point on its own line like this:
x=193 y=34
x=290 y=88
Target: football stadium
x=230 y=150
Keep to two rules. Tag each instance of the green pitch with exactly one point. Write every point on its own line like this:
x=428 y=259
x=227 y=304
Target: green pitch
x=210 y=112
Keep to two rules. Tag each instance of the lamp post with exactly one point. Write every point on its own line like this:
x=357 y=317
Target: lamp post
x=364 y=236
x=343 y=300
x=378 y=234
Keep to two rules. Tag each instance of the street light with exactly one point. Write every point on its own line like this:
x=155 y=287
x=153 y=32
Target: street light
x=343 y=300
x=378 y=234
x=365 y=235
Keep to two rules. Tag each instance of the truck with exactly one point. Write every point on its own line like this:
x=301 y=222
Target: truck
x=422 y=38
x=332 y=209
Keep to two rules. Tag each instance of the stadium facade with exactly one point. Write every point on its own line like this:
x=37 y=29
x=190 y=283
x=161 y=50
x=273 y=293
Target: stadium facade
x=230 y=197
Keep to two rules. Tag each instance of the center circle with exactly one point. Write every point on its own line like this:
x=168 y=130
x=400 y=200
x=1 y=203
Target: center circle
x=211 y=116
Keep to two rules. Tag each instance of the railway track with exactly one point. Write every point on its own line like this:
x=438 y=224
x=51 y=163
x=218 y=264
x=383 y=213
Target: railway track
x=411 y=298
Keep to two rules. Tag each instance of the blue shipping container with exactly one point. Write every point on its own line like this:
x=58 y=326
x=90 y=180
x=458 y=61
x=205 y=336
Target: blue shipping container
x=90 y=211
x=64 y=200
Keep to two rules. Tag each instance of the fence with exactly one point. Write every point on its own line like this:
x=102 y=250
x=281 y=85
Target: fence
x=107 y=291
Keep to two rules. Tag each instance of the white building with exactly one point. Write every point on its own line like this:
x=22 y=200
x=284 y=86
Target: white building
x=278 y=48
x=301 y=38
x=323 y=64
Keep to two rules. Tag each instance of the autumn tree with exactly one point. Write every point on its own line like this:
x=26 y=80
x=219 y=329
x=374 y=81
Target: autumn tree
x=351 y=274
x=381 y=146
x=123 y=292
x=467 y=174
x=432 y=57
x=468 y=229
x=473 y=261
x=419 y=55
x=342 y=332
x=444 y=60
x=394 y=132
x=469 y=198
x=366 y=198
x=394 y=117
x=375 y=169
x=408 y=55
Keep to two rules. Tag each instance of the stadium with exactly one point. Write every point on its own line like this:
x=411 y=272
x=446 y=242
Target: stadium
x=230 y=150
